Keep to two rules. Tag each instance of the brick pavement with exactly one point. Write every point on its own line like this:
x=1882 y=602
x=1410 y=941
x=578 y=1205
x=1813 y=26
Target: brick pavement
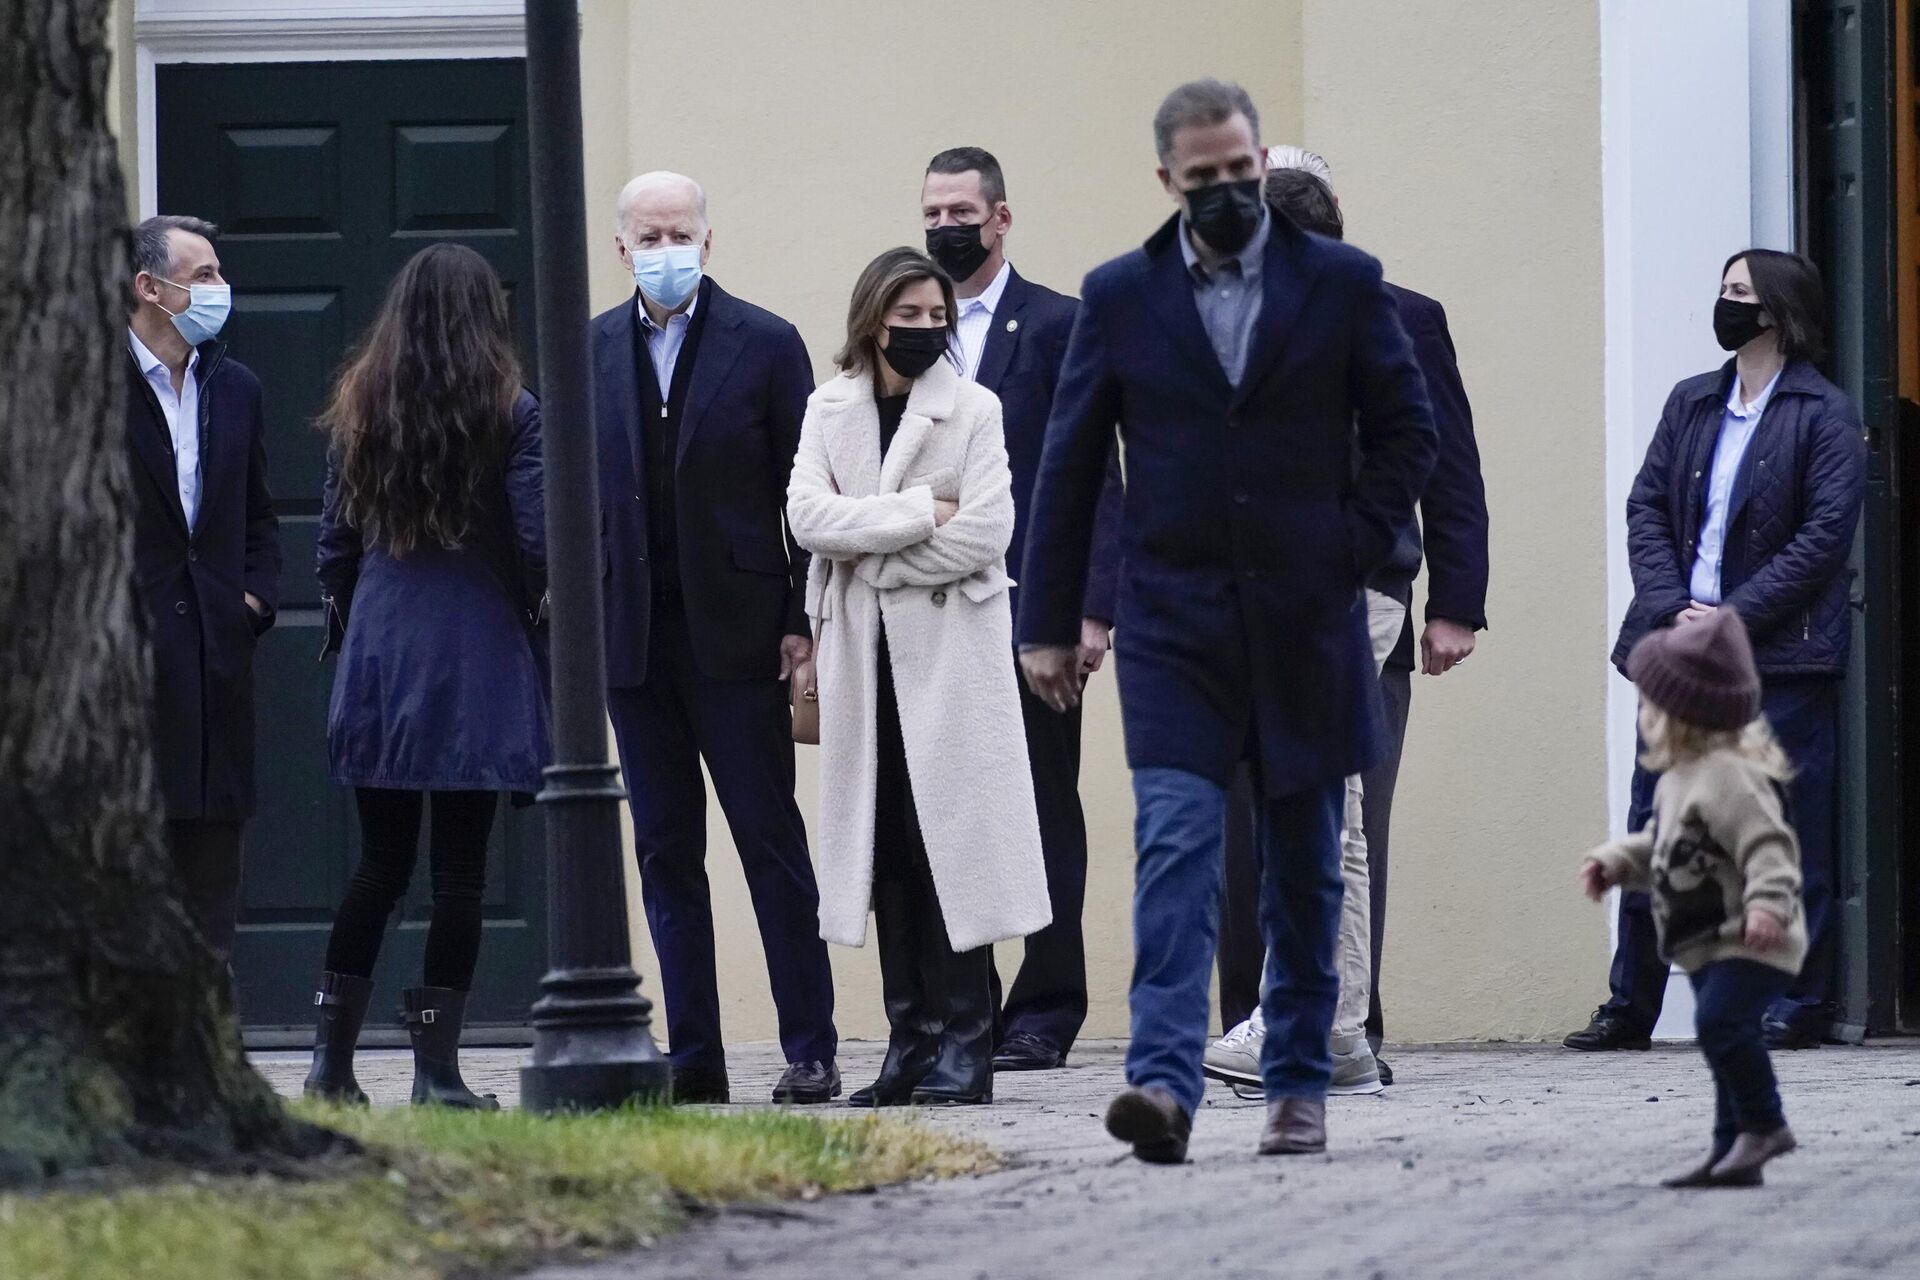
x=1482 y=1162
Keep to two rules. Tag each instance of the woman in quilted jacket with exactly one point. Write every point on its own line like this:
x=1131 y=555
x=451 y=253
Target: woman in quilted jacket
x=1749 y=497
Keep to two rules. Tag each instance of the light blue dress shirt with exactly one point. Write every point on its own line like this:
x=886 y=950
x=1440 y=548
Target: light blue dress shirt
x=1737 y=427
x=1229 y=297
x=182 y=412
x=664 y=343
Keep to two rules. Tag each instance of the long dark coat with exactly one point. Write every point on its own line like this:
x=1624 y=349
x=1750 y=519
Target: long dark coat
x=1249 y=530
x=194 y=584
x=441 y=681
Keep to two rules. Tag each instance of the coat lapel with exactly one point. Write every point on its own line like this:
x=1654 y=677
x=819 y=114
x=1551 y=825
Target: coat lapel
x=216 y=447
x=622 y=381
x=851 y=425
x=930 y=402
x=713 y=360
x=151 y=446
x=1170 y=289
x=1003 y=334
x=1288 y=270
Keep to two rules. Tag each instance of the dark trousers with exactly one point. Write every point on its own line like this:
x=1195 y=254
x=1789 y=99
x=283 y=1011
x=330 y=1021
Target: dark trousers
x=951 y=991
x=1805 y=716
x=1241 y=951
x=207 y=857
x=389 y=847
x=1049 y=995
x=743 y=730
x=1730 y=999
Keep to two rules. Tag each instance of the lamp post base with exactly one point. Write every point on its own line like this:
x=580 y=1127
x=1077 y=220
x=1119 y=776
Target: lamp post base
x=594 y=1086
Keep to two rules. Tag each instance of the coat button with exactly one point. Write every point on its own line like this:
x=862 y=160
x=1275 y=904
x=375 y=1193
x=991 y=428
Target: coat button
x=1240 y=497
x=180 y=607
x=939 y=598
x=193 y=556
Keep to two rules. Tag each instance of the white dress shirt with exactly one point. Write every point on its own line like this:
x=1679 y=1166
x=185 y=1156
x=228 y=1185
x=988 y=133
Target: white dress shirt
x=183 y=419
x=664 y=343
x=976 y=322
x=1737 y=427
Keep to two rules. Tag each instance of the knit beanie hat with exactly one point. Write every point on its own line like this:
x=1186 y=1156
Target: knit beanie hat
x=1700 y=672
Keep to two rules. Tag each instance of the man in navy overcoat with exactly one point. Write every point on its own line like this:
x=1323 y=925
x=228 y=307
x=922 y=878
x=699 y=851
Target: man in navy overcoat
x=699 y=397
x=1277 y=435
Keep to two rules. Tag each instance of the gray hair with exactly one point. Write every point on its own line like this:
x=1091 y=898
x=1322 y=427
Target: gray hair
x=1288 y=156
x=1199 y=103
x=153 y=243
x=658 y=177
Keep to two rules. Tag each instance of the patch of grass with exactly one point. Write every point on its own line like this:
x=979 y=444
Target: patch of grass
x=447 y=1192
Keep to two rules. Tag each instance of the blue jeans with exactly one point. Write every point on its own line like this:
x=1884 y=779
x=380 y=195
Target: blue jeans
x=1179 y=832
x=1730 y=998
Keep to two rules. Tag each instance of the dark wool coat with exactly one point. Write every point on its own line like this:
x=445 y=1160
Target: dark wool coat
x=1249 y=531
x=194 y=584
x=441 y=683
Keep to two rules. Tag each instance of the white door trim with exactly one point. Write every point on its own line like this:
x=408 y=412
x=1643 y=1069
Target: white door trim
x=289 y=31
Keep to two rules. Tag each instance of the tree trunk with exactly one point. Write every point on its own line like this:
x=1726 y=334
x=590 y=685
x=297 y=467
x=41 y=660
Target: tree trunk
x=117 y=1036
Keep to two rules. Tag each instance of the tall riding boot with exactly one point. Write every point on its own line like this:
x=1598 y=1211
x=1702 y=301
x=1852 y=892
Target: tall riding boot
x=912 y=1042
x=960 y=983
x=434 y=1016
x=342 y=1001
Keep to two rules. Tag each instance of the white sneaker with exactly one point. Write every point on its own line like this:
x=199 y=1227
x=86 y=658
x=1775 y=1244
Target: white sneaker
x=1235 y=1057
x=1354 y=1068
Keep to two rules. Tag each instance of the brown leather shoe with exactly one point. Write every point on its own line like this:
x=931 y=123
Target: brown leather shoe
x=1295 y=1127
x=1699 y=1175
x=1154 y=1122
x=1750 y=1153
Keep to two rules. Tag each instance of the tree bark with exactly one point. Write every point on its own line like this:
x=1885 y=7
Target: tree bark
x=117 y=1036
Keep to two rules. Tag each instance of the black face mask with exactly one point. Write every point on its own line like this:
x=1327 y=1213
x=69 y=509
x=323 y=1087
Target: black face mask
x=911 y=352
x=957 y=249
x=1226 y=214
x=1736 y=323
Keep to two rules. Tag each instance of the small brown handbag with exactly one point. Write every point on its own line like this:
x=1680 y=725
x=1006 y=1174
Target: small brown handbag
x=805 y=693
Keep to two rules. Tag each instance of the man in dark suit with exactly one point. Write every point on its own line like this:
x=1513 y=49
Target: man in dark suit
x=1453 y=516
x=206 y=554
x=699 y=398
x=1248 y=365
x=1011 y=336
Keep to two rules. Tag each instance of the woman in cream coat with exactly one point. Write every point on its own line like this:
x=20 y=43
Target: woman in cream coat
x=902 y=493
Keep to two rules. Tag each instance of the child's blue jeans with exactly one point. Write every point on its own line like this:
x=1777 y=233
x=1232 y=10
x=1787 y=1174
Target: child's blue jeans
x=1730 y=998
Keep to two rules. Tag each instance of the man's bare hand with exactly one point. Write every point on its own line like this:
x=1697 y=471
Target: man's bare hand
x=1594 y=879
x=1094 y=643
x=1692 y=613
x=794 y=650
x=253 y=603
x=1764 y=930
x=1444 y=645
x=944 y=511
x=1053 y=673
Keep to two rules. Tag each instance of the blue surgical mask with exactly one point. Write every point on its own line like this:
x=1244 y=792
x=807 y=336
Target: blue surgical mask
x=207 y=308
x=668 y=276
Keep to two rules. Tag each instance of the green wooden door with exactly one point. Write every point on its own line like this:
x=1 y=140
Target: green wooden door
x=325 y=178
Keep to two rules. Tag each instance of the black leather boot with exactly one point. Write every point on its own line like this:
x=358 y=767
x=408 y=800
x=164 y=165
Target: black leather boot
x=434 y=1016
x=912 y=1041
x=962 y=1073
x=342 y=1002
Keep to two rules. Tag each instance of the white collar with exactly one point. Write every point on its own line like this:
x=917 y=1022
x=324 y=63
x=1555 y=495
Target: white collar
x=990 y=296
x=149 y=362
x=646 y=321
x=1748 y=412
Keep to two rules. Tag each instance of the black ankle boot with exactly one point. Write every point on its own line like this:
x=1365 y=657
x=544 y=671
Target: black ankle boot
x=342 y=1002
x=434 y=1016
x=911 y=1043
x=962 y=1073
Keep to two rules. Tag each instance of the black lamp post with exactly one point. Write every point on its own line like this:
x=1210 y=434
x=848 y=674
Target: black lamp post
x=592 y=1046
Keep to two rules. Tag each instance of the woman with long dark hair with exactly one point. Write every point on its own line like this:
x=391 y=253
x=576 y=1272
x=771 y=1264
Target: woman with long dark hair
x=1749 y=497
x=902 y=491
x=432 y=563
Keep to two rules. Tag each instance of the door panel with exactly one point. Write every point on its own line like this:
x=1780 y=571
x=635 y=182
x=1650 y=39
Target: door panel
x=325 y=178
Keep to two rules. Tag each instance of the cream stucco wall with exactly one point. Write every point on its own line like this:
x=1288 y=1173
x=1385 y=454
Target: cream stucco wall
x=1465 y=145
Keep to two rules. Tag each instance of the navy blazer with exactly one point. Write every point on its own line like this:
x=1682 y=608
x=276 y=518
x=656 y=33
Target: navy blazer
x=194 y=583
x=1021 y=364
x=1249 y=530
x=743 y=577
x=1790 y=527
x=1452 y=531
